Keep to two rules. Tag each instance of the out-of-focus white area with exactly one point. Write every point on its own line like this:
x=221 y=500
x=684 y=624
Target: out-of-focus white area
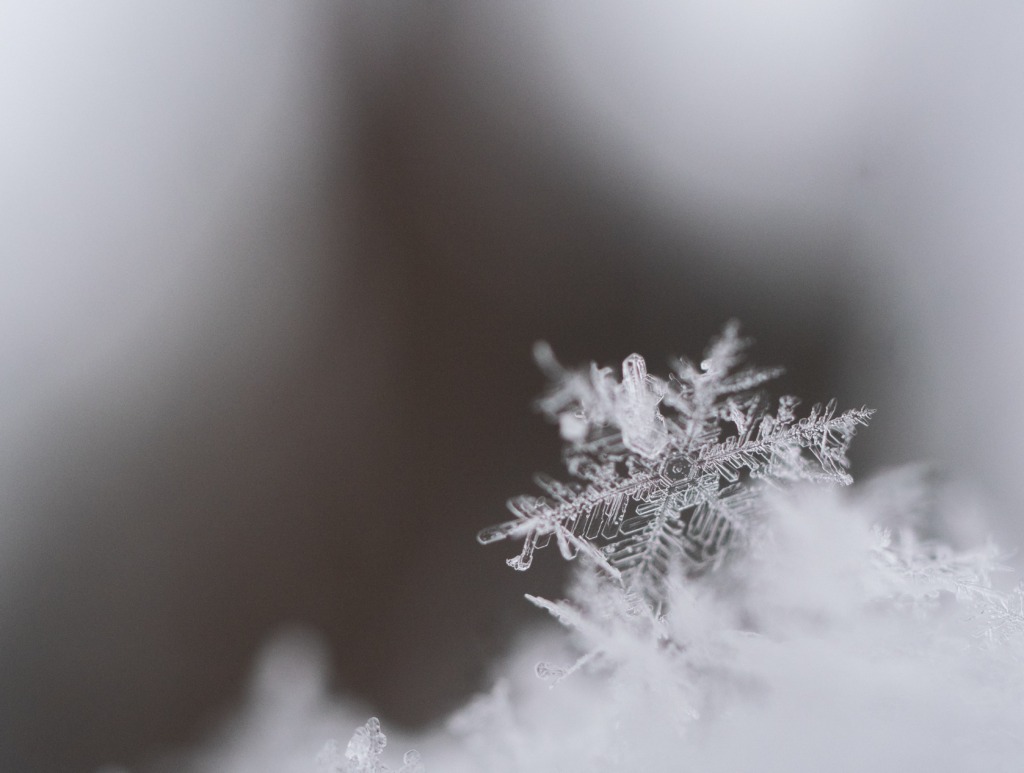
x=742 y=112
x=942 y=220
x=155 y=270
x=166 y=247
x=134 y=140
x=137 y=146
x=897 y=129
x=827 y=645
x=287 y=716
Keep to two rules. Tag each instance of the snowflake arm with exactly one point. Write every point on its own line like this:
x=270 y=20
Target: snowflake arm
x=776 y=450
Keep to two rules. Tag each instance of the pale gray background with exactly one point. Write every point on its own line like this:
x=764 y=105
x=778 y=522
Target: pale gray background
x=270 y=274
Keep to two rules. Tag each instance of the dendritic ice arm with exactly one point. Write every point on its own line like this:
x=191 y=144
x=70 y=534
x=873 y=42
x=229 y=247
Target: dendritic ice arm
x=813 y=448
x=1004 y=615
x=664 y=471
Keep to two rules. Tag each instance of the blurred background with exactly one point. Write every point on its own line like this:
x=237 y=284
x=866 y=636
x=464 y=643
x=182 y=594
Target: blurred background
x=270 y=274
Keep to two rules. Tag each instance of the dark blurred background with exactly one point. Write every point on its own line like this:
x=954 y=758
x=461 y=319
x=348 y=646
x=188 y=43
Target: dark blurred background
x=272 y=273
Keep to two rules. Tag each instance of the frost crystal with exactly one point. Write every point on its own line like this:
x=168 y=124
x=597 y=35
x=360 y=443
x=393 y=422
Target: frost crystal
x=363 y=753
x=664 y=471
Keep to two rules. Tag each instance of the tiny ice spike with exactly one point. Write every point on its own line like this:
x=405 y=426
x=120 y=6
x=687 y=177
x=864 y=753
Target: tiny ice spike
x=667 y=472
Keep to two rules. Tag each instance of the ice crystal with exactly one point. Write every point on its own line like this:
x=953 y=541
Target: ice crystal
x=922 y=570
x=603 y=622
x=666 y=472
x=363 y=754
x=1004 y=615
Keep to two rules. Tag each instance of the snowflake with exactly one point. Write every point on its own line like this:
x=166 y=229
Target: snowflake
x=920 y=571
x=1004 y=614
x=363 y=753
x=667 y=472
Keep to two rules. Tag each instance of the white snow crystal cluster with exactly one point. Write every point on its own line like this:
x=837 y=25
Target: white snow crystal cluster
x=665 y=470
x=834 y=641
x=826 y=632
x=364 y=754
